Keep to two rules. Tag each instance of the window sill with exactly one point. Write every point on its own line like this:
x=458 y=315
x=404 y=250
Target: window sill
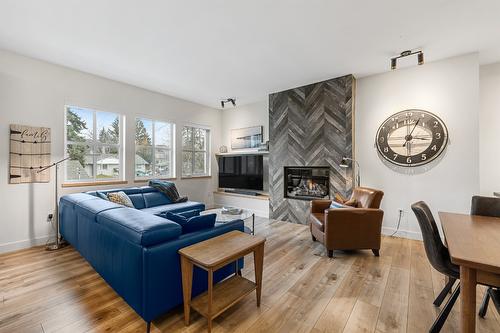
x=146 y=180
x=84 y=184
x=196 y=177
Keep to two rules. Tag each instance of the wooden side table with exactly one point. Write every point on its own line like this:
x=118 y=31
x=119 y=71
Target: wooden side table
x=212 y=255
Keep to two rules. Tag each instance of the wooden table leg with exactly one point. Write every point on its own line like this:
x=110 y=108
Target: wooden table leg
x=210 y=298
x=467 y=299
x=187 y=285
x=258 y=257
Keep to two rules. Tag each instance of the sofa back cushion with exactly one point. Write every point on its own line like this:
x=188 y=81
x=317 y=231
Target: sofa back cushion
x=138 y=200
x=153 y=199
x=90 y=208
x=139 y=227
x=367 y=197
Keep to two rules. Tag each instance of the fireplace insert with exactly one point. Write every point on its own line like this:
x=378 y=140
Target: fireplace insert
x=306 y=183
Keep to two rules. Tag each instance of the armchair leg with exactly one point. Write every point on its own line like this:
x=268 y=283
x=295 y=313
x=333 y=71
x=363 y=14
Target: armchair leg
x=330 y=253
x=148 y=327
x=376 y=252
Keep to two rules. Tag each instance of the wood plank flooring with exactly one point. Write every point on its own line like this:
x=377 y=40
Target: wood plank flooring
x=303 y=291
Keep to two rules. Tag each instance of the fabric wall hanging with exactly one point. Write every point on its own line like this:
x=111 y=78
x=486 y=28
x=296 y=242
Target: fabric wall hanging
x=29 y=152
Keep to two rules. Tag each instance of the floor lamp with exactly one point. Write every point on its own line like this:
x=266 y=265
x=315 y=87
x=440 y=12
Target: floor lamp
x=344 y=164
x=58 y=243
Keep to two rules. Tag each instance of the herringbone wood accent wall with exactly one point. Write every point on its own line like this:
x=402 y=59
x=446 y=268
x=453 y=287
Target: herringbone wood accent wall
x=310 y=126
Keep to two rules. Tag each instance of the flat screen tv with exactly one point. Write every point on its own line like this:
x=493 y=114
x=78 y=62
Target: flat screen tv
x=241 y=172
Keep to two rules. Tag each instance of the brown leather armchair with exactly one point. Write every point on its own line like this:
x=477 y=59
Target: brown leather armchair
x=349 y=228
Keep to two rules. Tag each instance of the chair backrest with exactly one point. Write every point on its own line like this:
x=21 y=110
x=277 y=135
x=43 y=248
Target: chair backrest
x=485 y=206
x=436 y=252
x=367 y=197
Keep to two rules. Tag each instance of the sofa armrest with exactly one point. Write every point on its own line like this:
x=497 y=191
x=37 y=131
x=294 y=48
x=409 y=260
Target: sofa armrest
x=353 y=228
x=319 y=206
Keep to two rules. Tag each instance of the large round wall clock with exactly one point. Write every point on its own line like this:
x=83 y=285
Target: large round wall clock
x=412 y=138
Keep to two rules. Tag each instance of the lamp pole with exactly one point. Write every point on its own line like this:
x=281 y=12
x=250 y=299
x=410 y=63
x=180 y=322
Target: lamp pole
x=344 y=164
x=57 y=244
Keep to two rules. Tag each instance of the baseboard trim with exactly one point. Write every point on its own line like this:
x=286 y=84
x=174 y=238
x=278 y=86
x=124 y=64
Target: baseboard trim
x=402 y=233
x=23 y=244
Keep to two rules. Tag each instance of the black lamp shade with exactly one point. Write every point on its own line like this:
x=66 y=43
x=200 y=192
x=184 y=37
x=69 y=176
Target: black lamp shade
x=393 y=63
x=420 y=58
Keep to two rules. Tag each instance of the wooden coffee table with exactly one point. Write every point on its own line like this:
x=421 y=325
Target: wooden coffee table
x=212 y=255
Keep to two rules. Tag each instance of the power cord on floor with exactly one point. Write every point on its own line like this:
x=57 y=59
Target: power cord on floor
x=399 y=222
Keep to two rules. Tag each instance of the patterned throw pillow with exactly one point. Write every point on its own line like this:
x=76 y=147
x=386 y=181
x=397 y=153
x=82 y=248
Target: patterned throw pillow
x=120 y=198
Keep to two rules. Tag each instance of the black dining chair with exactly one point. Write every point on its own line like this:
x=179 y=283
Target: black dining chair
x=439 y=257
x=487 y=206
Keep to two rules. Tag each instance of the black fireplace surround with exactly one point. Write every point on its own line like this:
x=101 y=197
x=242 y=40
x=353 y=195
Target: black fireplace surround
x=306 y=183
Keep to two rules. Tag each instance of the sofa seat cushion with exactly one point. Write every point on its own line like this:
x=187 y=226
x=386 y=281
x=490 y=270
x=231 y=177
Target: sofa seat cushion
x=318 y=221
x=139 y=227
x=175 y=208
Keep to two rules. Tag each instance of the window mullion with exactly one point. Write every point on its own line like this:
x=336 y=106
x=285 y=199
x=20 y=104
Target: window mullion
x=192 y=150
x=94 y=146
x=153 y=142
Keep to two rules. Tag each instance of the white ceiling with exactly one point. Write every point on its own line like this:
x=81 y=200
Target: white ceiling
x=205 y=50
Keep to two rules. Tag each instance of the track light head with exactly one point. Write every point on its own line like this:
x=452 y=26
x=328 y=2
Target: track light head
x=420 y=58
x=228 y=100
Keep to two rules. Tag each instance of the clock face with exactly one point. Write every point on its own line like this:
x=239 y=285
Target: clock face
x=411 y=138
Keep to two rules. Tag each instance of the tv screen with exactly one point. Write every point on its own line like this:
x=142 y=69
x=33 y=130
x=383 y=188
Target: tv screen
x=241 y=172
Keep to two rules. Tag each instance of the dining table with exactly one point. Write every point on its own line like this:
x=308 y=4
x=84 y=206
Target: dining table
x=474 y=244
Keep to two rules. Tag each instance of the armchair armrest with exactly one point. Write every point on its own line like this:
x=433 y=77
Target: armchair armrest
x=353 y=228
x=319 y=206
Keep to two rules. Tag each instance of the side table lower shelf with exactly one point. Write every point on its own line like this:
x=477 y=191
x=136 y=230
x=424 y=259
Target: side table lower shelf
x=225 y=295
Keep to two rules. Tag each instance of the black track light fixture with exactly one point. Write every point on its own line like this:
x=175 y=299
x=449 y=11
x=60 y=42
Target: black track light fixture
x=420 y=57
x=228 y=100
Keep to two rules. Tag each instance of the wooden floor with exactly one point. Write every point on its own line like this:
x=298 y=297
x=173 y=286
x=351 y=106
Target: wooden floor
x=303 y=291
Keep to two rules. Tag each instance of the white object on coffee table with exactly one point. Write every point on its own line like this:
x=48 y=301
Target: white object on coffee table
x=224 y=217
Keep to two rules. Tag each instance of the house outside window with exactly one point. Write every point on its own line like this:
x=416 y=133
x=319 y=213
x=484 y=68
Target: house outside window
x=93 y=141
x=195 y=151
x=154 y=149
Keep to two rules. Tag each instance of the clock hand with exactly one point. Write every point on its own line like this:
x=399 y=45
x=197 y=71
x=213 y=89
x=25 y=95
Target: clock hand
x=408 y=137
x=414 y=126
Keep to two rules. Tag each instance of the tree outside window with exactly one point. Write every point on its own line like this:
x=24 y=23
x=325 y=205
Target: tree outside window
x=93 y=143
x=154 y=152
x=195 y=151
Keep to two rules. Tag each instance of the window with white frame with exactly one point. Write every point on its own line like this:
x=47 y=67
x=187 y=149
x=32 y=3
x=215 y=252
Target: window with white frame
x=195 y=151
x=154 y=149
x=93 y=144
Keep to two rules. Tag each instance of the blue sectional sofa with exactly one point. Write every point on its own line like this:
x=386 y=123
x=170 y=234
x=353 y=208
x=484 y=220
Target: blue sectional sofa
x=135 y=250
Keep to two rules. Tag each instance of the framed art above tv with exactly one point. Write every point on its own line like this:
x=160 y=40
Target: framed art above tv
x=249 y=137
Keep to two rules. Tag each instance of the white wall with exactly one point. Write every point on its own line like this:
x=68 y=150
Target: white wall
x=448 y=88
x=34 y=93
x=256 y=114
x=489 y=129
